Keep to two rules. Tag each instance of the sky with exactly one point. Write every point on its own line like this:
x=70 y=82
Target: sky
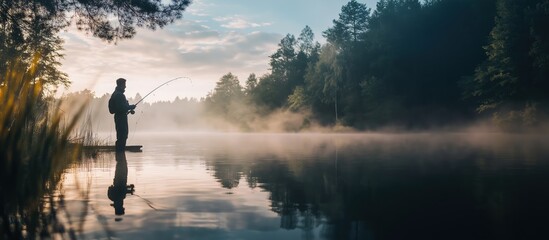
x=213 y=38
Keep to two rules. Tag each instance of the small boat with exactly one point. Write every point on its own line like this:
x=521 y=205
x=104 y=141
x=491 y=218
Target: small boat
x=107 y=148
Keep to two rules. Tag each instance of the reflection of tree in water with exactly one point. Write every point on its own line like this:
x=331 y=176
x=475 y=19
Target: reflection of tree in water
x=303 y=199
x=286 y=192
x=402 y=193
x=228 y=174
x=33 y=205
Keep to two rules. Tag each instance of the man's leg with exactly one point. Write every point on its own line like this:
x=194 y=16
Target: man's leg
x=121 y=124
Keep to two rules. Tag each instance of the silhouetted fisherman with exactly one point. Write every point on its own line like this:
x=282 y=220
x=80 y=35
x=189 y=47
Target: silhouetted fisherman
x=119 y=188
x=119 y=106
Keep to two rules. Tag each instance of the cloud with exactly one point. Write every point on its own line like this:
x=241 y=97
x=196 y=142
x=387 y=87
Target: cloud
x=187 y=48
x=200 y=8
x=238 y=22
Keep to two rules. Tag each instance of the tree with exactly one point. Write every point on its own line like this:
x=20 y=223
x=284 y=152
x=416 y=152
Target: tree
x=497 y=77
x=282 y=79
x=251 y=84
x=297 y=100
x=282 y=59
x=288 y=69
x=29 y=28
x=346 y=36
x=351 y=25
x=108 y=20
x=539 y=15
x=305 y=41
x=226 y=92
x=414 y=57
x=33 y=41
x=512 y=82
x=270 y=92
x=322 y=83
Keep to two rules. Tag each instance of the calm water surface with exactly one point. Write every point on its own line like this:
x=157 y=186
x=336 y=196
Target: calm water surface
x=315 y=186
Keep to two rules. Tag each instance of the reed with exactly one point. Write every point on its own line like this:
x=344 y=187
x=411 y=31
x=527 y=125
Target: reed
x=87 y=139
x=34 y=153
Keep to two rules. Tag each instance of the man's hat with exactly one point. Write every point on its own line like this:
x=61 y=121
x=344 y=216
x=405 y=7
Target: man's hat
x=120 y=81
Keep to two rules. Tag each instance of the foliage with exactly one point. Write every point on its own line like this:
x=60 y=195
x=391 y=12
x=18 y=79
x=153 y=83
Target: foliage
x=227 y=100
x=351 y=26
x=30 y=27
x=23 y=34
x=513 y=78
x=226 y=92
x=251 y=84
x=347 y=34
x=34 y=152
x=322 y=82
x=108 y=20
x=297 y=100
x=412 y=63
x=289 y=66
x=270 y=92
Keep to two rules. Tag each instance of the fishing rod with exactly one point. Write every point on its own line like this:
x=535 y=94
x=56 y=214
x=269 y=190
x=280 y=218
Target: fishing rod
x=158 y=88
x=132 y=111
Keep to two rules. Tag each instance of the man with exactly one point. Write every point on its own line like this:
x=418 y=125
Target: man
x=119 y=106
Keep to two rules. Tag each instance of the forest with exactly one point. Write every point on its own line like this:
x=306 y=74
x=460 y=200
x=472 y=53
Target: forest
x=408 y=63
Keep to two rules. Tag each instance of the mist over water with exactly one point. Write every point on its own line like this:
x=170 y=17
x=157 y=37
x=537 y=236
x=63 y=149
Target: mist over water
x=191 y=115
x=320 y=186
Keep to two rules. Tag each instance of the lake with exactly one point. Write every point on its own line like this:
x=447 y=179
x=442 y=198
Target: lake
x=313 y=186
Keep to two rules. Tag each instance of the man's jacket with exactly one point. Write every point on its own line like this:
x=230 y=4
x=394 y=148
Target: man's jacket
x=118 y=104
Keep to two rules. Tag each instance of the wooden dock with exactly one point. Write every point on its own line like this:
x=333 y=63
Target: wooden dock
x=106 y=148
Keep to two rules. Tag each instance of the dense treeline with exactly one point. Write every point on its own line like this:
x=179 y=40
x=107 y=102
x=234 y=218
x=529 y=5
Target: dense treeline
x=408 y=63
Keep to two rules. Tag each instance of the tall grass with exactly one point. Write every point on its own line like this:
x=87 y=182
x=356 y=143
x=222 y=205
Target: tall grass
x=34 y=153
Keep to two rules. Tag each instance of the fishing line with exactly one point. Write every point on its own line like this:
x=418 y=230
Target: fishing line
x=151 y=204
x=148 y=202
x=132 y=134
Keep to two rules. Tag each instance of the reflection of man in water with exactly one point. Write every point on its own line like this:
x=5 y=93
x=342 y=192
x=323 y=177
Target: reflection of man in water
x=118 y=190
x=118 y=104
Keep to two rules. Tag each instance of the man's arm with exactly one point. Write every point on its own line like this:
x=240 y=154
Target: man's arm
x=122 y=104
